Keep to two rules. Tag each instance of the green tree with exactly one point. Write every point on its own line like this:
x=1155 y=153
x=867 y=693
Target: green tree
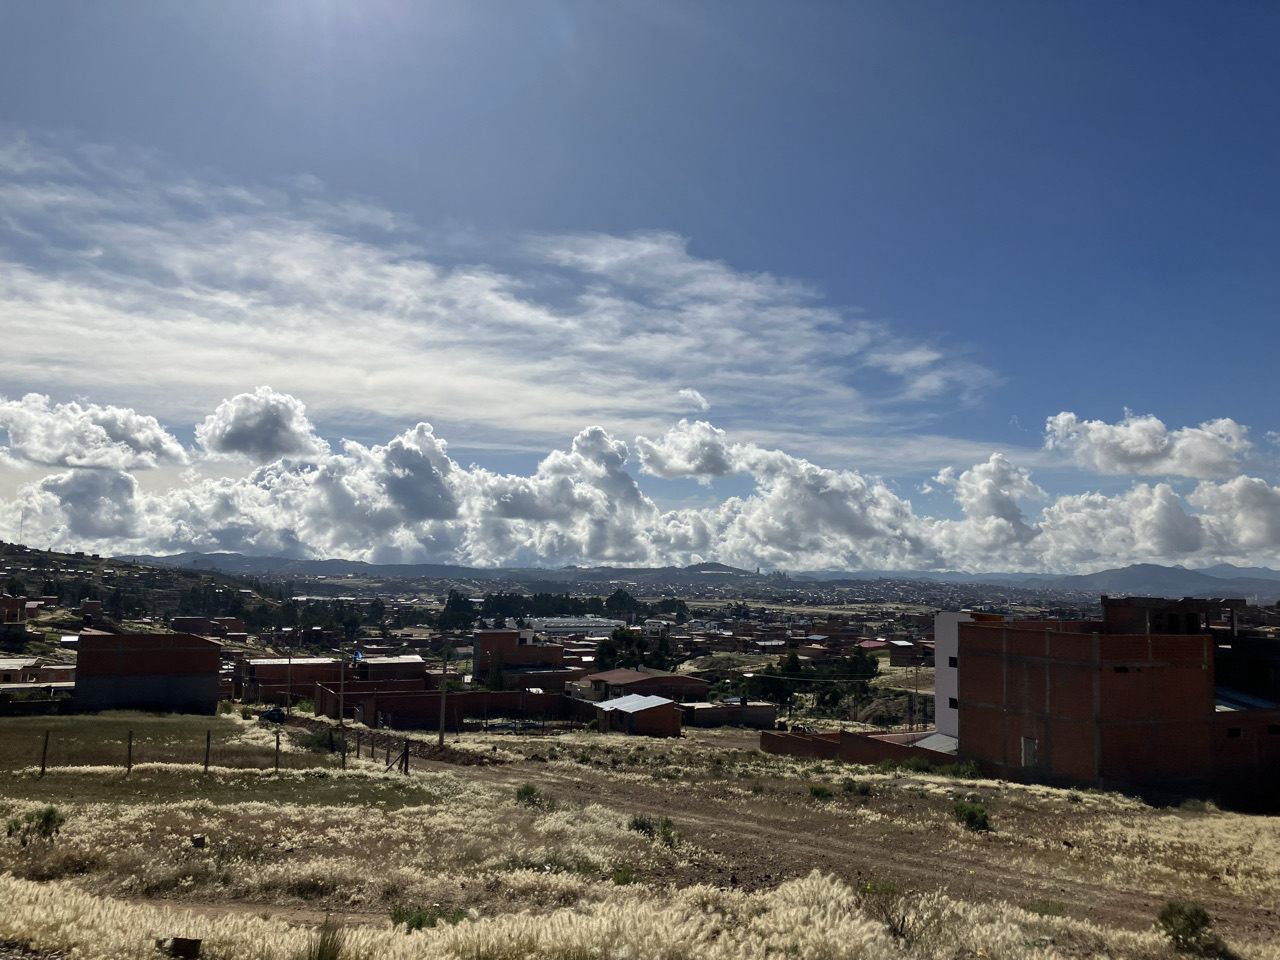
x=621 y=602
x=496 y=680
x=459 y=612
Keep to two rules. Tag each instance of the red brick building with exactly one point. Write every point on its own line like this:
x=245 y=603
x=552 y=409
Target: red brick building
x=621 y=682
x=640 y=716
x=513 y=648
x=13 y=609
x=1127 y=702
x=278 y=679
x=160 y=671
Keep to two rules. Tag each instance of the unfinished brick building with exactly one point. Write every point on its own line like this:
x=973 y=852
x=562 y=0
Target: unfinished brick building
x=156 y=671
x=1128 y=702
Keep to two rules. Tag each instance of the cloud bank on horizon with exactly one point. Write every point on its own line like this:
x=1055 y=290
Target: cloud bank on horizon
x=168 y=304
x=408 y=501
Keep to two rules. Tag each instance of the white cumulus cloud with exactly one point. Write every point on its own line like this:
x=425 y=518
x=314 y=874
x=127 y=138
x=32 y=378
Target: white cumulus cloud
x=696 y=450
x=85 y=435
x=263 y=425
x=1143 y=445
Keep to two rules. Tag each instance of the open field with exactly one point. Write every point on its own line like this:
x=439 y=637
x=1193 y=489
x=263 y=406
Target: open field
x=763 y=855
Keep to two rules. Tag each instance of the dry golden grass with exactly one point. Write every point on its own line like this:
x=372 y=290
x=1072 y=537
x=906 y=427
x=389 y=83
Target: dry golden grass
x=538 y=880
x=815 y=917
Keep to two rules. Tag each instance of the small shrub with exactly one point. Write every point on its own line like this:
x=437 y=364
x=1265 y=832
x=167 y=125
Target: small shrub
x=625 y=875
x=316 y=741
x=882 y=900
x=857 y=787
x=757 y=788
x=1187 y=924
x=668 y=833
x=246 y=713
x=642 y=824
x=420 y=918
x=327 y=944
x=305 y=706
x=1048 y=908
x=972 y=816
x=966 y=770
x=528 y=796
x=819 y=791
x=1074 y=797
x=592 y=726
x=224 y=707
x=43 y=824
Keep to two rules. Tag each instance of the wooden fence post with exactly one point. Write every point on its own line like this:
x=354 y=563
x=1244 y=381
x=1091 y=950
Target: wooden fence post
x=357 y=744
x=406 y=756
x=44 y=753
x=128 y=760
x=344 y=751
x=277 y=751
x=208 y=743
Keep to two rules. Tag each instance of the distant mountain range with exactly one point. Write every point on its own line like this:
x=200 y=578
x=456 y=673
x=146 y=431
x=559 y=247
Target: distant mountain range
x=1221 y=580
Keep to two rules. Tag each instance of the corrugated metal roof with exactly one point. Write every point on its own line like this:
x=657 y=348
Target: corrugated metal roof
x=939 y=742
x=1228 y=701
x=633 y=703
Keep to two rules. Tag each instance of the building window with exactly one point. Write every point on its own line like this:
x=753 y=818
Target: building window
x=953 y=703
x=1233 y=733
x=1029 y=751
x=953 y=662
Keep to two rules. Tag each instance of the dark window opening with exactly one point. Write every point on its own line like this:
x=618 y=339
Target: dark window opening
x=954 y=704
x=1122 y=669
x=953 y=662
x=1233 y=733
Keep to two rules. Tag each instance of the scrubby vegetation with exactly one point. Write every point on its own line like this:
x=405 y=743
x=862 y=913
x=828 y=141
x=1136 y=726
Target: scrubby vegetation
x=588 y=845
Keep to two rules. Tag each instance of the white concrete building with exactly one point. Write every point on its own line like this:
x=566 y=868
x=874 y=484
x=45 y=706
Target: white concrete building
x=553 y=627
x=946 y=683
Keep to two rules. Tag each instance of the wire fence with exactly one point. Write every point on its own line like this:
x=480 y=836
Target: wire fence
x=275 y=748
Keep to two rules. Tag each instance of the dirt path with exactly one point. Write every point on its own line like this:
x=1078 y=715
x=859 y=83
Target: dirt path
x=758 y=842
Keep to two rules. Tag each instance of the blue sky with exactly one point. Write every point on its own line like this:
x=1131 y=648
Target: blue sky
x=881 y=241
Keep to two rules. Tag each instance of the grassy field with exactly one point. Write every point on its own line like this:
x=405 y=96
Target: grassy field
x=583 y=845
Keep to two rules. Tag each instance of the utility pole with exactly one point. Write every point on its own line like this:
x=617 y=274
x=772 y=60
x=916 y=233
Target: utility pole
x=444 y=688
